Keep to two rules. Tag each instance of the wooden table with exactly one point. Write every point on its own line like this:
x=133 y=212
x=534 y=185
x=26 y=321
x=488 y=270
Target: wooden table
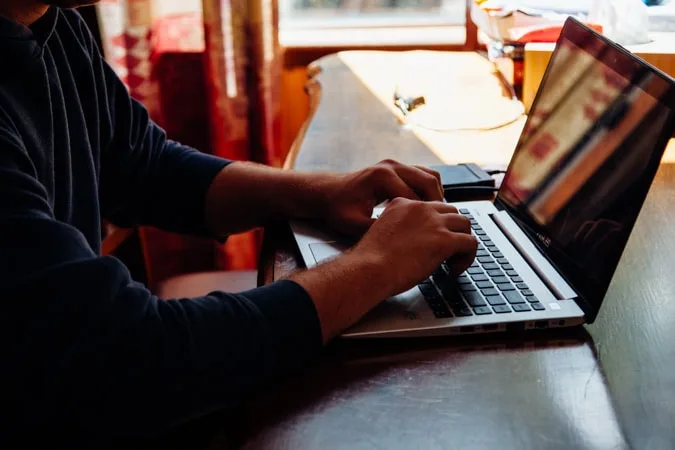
x=610 y=385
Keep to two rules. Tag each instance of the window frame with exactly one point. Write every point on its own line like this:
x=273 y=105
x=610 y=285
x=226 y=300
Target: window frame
x=301 y=52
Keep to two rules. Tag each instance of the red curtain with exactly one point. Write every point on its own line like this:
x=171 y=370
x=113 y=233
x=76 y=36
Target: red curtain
x=209 y=74
x=243 y=62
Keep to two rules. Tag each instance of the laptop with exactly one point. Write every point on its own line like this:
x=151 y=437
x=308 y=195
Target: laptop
x=551 y=241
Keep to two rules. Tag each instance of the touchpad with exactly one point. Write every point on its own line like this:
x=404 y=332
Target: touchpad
x=323 y=251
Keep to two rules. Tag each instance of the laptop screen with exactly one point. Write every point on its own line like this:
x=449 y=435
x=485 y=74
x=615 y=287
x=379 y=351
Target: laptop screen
x=587 y=156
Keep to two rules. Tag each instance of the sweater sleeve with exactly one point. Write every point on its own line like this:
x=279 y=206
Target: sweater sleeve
x=146 y=178
x=85 y=346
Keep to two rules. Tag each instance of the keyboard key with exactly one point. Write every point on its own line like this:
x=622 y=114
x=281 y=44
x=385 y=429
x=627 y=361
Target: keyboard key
x=442 y=314
x=522 y=286
x=488 y=243
x=428 y=289
x=464 y=211
x=451 y=295
x=527 y=293
x=489 y=292
x=495 y=300
x=501 y=309
x=513 y=297
x=474 y=299
x=439 y=276
x=502 y=261
x=484 y=284
x=511 y=273
x=474 y=270
x=493 y=249
x=485 y=260
x=490 y=266
x=517 y=280
x=498 y=255
x=500 y=279
x=435 y=302
x=521 y=308
x=507 y=267
x=462 y=312
x=484 y=238
x=479 y=232
x=495 y=273
x=482 y=310
x=482 y=253
x=467 y=287
x=463 y=279
x=479 y=277
x=457 y=304
x=532 y=299
x=506 y=287
x=473 y=222
x=474 y=264
x=538 y=306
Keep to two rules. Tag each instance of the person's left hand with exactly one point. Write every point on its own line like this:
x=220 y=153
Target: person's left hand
x=348 y=200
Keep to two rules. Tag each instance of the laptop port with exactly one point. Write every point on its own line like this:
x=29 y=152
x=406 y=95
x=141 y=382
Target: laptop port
x=466 y=329
x=561 y=323
x=541 y=324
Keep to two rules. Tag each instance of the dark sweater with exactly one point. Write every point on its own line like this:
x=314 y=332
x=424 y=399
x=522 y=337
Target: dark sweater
x=83 y=346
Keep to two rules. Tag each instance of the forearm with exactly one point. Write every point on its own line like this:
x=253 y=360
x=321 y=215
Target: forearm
x=96 y=347
x=343 y=290
x=245 y=195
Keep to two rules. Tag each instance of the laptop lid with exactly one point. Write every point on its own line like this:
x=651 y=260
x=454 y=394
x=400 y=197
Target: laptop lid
x=587 y=156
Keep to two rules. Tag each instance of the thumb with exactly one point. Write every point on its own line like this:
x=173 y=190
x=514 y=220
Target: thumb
x=358 y=225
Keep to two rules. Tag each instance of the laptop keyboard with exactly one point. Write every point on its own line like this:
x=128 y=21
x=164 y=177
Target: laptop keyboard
x=490 y=286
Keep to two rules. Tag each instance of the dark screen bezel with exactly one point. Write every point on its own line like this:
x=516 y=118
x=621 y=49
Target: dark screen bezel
x=590 y=295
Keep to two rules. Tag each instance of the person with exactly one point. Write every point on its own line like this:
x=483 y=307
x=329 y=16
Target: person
x=87 y=349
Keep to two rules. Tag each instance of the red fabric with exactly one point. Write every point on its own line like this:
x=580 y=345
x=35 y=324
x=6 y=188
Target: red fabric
x=538 y=33
x=212 y=82
x=243 y=70
x=265 y=82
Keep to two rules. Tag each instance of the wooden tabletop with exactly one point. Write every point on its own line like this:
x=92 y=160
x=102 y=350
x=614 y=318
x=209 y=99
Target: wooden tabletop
x=610 y=385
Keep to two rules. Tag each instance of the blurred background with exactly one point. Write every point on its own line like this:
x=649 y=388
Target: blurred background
x=229 y=77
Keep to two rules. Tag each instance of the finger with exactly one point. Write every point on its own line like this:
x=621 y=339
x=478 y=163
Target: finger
x=435 y=173
x=358 y=226
x=443 y=208
x=462 y=244
x=462 y=253
x=391 y=186
x=422 y=182
x=457 y=223
x=459 y=264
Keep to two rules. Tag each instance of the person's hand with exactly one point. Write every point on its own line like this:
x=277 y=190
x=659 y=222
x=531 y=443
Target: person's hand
x=412 y=238
x=405 y=245
x=348 y=200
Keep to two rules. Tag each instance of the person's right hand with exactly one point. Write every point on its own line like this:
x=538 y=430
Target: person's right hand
x=412 y=238
x=406 y=244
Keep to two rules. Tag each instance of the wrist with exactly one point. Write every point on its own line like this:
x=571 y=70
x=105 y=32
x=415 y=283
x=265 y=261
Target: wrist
x=317 y=190
x=343 y=290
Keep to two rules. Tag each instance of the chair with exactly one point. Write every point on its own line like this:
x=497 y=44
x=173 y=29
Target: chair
x=125 y=244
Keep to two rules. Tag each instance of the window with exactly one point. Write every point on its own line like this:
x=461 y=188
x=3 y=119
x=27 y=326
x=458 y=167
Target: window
x=373 y=12
x=375 y=22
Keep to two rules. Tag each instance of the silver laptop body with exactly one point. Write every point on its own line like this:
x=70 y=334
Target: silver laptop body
x=532 y=272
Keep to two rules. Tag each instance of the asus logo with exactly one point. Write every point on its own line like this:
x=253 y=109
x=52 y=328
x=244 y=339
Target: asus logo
x=544 y=240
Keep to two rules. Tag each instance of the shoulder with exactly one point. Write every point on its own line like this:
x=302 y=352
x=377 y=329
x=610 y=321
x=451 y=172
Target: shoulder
x=71 y=27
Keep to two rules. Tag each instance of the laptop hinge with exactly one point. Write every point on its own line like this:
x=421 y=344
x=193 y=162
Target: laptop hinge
x=551 y=278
